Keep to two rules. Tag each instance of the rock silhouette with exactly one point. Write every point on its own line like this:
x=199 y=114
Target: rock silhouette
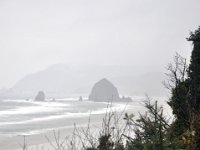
x=127 y=99
x=40 y=96
x=80 y=98
x=104 y=91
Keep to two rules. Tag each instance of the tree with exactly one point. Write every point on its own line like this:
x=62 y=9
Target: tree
x=184 y=85
x=194 y=70
x=178 y=85
x=150 y=129
x=194 y=79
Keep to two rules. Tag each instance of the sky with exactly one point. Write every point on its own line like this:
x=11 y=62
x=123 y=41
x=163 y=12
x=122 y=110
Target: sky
x=35 y=34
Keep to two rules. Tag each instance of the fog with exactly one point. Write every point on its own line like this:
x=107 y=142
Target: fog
x=134 y=34
x=77 y=72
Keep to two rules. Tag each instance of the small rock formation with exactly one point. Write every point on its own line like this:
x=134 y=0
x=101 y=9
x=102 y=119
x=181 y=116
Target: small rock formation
x=80 y=98
x=104 y=91
x=126 y=99
x=40 y=96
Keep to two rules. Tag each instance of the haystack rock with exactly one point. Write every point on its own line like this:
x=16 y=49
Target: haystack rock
x=104 y=91
x=40 y=96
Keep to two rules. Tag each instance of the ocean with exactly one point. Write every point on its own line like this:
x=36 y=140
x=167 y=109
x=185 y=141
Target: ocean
x=27 y=117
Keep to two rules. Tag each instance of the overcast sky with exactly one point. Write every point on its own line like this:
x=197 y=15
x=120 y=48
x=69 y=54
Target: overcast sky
x=35 y=34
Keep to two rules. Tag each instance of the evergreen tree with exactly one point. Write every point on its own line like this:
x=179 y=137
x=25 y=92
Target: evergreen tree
x=185 y=99
x=180 y=107
x=178 y=84
x=150 y=130
x=194 y=70
x=184 y=84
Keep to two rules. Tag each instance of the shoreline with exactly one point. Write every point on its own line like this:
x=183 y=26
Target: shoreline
x=38 y=140
x=65 y=125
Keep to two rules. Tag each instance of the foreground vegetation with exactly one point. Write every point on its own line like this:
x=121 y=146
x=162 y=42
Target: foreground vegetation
x=151 y=130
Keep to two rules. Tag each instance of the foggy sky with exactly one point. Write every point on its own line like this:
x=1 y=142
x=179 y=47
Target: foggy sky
x=35 y=34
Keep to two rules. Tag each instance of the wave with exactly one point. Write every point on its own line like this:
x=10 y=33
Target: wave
x=33 y=108
x=115 y=107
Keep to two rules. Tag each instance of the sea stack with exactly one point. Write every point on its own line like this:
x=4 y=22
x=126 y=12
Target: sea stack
x=40 y=96
x=80 y=99
x=104 y=91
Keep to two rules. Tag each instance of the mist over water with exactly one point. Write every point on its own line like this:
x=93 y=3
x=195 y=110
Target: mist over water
x=60 y=81
x=54 y=56
x=19 y=117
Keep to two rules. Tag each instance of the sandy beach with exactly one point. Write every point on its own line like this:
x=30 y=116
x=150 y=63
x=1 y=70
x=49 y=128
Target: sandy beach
x=35 y=141
x=35 y=130
x=38 y=140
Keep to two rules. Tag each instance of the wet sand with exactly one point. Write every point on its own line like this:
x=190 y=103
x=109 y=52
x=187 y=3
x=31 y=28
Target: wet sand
x=37 y=141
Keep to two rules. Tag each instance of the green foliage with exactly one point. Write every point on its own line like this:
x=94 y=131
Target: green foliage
x=194 y=70
x=105 y=143
x=194 y=36
x=180 y=106
x=185 y=99
x=150 y=130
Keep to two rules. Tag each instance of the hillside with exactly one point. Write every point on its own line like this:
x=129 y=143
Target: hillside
x=63 y=81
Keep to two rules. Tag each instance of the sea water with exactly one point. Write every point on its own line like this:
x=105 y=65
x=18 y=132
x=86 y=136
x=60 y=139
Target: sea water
x=22 y=117
x=29 y=118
